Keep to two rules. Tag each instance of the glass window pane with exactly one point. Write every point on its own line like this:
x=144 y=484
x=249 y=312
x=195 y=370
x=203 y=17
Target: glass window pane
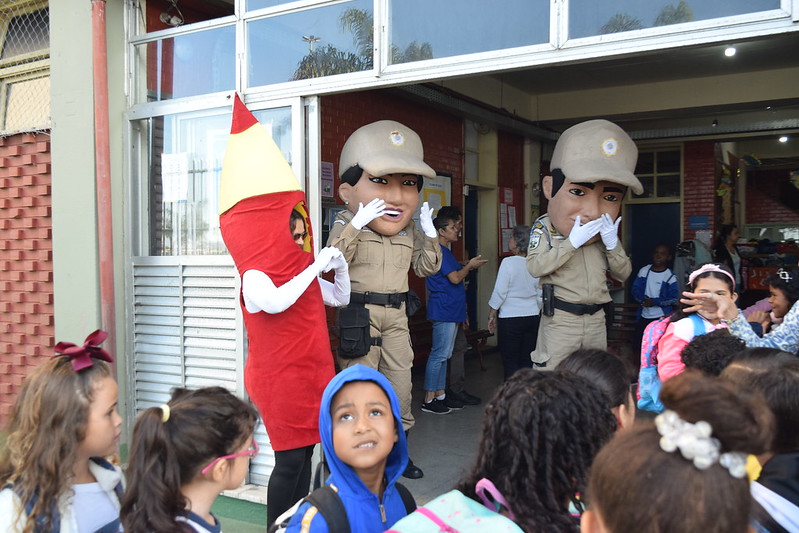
x=598 y=17
x=668 y=185
x=252 y=5
x=649 y=187
x=424 y=29
x=189 y=65
x=309 y=44
x=646 y=163
x=28 y=105
x=668 y=161
x=185 y=162
x=27 y=33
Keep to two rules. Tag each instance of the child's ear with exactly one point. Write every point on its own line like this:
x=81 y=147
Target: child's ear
x=396 y=434
x=590 y=522
x=735 y=297
x=219 y=471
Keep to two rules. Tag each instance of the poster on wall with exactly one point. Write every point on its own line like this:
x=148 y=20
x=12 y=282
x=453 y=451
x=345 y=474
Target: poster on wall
x=507 y=218
x=437 y=192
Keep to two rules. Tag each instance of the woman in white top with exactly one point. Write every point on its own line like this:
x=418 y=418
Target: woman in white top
x=515 y=300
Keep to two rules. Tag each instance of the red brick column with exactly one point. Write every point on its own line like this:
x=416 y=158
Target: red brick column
x=699 y=183
x=26 y=261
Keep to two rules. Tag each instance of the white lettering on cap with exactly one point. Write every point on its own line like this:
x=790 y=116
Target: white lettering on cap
x=610 y=146
x=396 y=138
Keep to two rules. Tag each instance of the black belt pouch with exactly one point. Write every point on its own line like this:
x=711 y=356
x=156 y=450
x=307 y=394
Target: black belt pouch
x=354 y=334
x=548 y=299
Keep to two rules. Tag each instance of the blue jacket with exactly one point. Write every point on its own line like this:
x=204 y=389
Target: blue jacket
x=668 y=291
x=363 y=507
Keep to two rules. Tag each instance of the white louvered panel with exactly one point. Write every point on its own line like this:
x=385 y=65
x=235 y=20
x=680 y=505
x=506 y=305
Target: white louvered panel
x=187 y=332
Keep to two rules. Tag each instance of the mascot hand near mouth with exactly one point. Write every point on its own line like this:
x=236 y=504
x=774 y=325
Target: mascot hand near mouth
x=381 y=170
x=576 y=243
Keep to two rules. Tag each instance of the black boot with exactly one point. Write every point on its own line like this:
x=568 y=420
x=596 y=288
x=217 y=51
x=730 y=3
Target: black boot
x=412 y=471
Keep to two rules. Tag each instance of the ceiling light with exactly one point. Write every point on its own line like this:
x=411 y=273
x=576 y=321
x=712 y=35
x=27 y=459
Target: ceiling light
x=729 y=51
x=784 y=139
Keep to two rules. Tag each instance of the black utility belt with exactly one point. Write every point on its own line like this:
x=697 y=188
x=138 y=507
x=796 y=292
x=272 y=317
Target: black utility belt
x=577 y=309
x=395 y=299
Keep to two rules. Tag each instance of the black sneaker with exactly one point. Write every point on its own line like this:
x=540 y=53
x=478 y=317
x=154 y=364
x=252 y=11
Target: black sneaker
x=412 y=471
x=436 y=407
x=464 y=397
x=453 y=403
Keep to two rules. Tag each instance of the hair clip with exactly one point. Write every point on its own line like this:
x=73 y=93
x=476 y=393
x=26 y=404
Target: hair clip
x=696 y=444
x=709 y=267
x=81 y=356
x=165 y=412
x=784 y=275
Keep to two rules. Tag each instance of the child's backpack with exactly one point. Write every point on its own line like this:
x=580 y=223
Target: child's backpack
x=328 y=503
x=649 y=383
x=455 y=513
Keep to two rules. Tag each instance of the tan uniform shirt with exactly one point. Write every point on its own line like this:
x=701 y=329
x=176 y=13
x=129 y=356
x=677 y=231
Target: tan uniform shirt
x=577 y=274
x=380 y=263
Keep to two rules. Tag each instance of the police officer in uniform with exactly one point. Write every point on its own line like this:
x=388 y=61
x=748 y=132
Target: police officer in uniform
x=576 y=243
x=381 y=170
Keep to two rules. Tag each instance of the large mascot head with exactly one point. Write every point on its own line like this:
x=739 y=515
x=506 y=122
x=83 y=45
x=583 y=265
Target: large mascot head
x=592 y=166
x=384 y=160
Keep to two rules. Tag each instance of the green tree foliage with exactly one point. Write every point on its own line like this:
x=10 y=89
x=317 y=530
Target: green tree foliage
x=672 y=14
x=621 y=22
x=328 y=60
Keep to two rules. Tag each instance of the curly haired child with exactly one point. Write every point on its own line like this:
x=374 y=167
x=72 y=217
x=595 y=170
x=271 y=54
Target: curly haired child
x=712 y=352
x=540 y=433
x=64 y=424
x=182 y=455
x=684 y=471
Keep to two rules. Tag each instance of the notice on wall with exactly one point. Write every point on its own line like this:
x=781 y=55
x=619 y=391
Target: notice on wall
x=175 y=177
x=327 y=179
x=507 y=218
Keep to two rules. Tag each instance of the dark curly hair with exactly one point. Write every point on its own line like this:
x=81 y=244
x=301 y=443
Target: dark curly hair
x=712 y=352
x=637 y=487
x=540 y=433
x=789 y=287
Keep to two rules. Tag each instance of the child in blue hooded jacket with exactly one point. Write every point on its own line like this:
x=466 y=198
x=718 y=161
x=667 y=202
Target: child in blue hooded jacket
x=358 y=423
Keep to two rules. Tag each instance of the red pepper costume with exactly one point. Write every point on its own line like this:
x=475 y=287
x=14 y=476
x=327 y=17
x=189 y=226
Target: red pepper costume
x=289 y=359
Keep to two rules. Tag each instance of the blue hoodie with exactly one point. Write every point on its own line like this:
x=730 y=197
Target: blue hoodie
x=363 y=507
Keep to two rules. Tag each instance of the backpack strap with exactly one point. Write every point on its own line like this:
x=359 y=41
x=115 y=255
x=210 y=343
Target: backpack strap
x=329 y=504
x=699 y=326
x=407 y=497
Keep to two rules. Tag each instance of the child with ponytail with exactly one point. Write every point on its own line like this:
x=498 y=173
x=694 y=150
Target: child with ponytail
x=54 y=473
x=686 y=470
x=183 y=454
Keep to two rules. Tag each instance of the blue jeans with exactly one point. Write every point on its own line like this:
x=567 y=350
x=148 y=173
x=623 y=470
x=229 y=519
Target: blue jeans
x=435 y=372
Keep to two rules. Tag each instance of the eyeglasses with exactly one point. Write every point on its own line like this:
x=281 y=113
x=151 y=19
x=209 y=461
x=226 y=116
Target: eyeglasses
x=298 y=236
x=784 y=275
x=252 y=451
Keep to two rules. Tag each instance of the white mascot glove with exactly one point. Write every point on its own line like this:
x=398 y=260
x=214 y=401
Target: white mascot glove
x=367 y=213
x=609 y=231
x=580 y=235
x=337 y=263
x=426 y=221
x=324 y=261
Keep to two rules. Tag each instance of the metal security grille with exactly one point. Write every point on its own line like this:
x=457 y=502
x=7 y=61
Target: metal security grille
x=24 y=66
x=186 y=332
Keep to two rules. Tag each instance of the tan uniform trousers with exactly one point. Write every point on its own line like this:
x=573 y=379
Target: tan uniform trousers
x=394 y=358
x=564 y=332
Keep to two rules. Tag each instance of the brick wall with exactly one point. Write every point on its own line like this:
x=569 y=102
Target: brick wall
x=699 y=183
x=771 y=198
x=26 y=261
x=510 y=170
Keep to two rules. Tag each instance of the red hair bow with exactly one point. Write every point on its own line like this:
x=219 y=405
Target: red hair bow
x=81 y=356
